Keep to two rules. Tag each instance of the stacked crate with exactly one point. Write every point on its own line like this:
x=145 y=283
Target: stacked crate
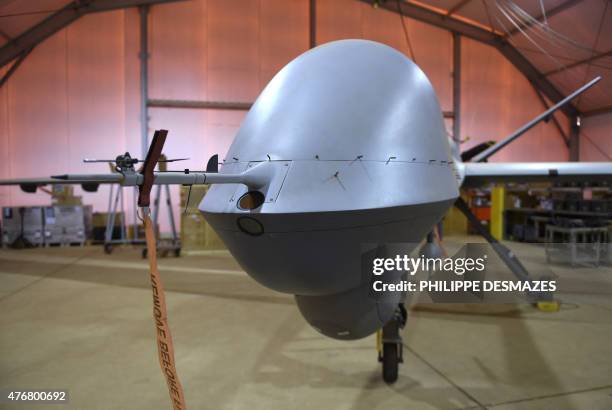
x=65 y=225
x=33 y=227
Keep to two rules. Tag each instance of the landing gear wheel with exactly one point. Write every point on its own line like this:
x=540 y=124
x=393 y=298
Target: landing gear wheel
x=177 y=252
x=108 y=248
x=391 y=352
x=390 y=362
x=144 y=253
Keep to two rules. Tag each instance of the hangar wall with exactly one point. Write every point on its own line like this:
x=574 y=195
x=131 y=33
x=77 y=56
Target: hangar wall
x=77 y=94
x=595 y=139
x=64 y=103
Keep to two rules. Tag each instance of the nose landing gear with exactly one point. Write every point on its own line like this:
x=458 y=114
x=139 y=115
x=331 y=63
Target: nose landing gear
x=389 y=345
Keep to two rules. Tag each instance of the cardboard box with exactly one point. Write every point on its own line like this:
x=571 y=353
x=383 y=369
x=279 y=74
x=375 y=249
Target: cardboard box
x=98 y=219
x=64 y=195
x=196 y=233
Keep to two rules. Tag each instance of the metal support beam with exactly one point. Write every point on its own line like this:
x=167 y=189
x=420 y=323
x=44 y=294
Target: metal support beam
x=61 y=19
x=14 y=67
x=457 y=7
x=577 y=63
x=312 y=29
x=5 y=36
x=553 y=11
x=574 y=139
x=457 y=87
x=484 y=36
x=144 y=79
x=209 y=105
x=598 y=111
x=437 y=19
x=219 y=105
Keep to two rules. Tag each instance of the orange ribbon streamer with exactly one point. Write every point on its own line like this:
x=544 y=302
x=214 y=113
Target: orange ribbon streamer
x=165 y=348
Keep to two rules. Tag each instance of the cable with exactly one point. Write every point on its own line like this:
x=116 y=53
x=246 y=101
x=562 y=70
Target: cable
x=586 y=71
x=188 y=198
x=406 y=35
x=486 y=7
x=601 y=151
x=531 y=22
x=543 y=37
x=543 y=10
x=507 y=14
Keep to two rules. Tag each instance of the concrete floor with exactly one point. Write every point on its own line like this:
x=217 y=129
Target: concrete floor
x=76 y=319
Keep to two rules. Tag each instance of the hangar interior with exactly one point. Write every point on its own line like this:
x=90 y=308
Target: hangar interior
x=93 y=79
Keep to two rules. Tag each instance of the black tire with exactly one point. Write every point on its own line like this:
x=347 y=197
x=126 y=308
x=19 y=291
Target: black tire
x=144 y=253
x=390 y=363
x=108 y=248
x=177 y=252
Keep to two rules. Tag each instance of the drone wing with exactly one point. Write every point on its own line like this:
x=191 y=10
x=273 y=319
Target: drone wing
x=476 y=172
x=256 y=177
x=89 y=182
x=492 y=149
x=481 y=173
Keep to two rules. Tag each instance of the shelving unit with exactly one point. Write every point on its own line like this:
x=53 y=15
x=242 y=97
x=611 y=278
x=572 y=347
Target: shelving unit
x=539 y=205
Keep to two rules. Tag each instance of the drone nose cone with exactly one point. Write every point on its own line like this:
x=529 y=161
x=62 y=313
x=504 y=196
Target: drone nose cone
x=342 y=100
x=353 y=138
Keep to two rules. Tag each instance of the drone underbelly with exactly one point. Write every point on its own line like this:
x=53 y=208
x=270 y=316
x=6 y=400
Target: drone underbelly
x=319 y=253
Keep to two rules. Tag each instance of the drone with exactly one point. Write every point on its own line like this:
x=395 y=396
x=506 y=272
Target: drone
x=328 y=166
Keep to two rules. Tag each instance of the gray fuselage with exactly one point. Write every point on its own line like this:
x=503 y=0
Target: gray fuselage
x=351 y=137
